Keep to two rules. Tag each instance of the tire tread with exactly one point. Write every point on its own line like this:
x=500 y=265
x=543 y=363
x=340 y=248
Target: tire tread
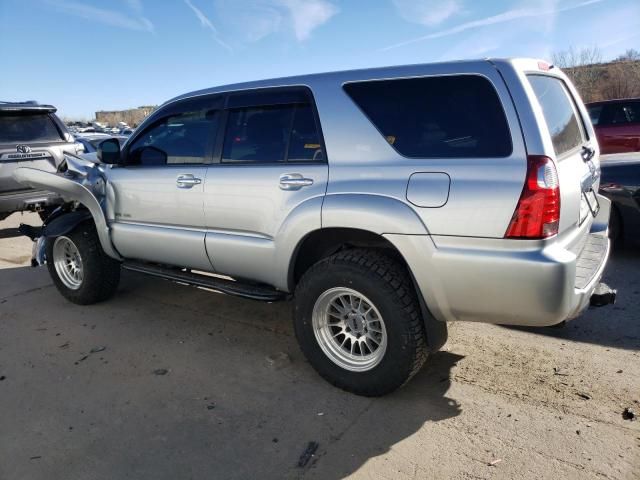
x=395 y=275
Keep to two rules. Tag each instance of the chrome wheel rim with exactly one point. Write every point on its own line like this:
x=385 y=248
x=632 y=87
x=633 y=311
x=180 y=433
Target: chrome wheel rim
x=68 y=263
x=349 y=329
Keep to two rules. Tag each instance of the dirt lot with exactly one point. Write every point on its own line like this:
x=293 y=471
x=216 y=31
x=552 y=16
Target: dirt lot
x=238 y=399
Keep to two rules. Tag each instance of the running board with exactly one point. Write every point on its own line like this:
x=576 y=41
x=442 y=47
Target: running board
x=255 y=292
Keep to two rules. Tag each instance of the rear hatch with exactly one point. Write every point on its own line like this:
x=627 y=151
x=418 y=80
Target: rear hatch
x=573 y=149
x=29 y=136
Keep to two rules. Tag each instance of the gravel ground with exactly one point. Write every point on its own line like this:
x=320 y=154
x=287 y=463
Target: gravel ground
x=170 y=382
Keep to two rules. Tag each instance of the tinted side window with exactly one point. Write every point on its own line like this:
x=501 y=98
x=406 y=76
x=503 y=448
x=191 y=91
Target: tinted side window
x=267 y=134
x=28 y=128
x=621 y=113
x=257 y=134
x=558 y=111
x=178 y=139
x=446 y=117
x=595 y=112
x=305 y=142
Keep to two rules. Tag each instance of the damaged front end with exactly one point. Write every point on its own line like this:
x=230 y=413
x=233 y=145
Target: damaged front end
x=81 y=183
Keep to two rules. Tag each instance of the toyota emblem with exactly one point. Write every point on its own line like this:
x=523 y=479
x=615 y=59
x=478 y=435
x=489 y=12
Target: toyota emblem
x=23 y=149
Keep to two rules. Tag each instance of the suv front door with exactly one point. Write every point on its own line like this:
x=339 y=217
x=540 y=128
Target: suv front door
x=270 y=166
x=157 y=211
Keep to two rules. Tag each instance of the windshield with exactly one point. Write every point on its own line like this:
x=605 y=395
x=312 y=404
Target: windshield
x=28 y=129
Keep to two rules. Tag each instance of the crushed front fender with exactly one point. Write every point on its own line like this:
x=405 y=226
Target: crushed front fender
x=84 y=183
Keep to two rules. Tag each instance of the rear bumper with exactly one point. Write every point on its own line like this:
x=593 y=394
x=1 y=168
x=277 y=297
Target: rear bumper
x=27 y=200
x=509 y=282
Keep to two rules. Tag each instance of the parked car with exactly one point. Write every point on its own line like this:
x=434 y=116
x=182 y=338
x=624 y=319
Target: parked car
x=386 y=201
x=617 y=125
x=91 y=141
x=30 y=134
x=621 y=184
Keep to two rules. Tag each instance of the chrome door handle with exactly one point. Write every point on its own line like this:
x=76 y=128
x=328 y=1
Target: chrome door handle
x=294 y=181
x=187 y=180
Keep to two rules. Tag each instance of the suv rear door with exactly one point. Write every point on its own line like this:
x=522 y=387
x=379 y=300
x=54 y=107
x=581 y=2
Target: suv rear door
x=271 y=161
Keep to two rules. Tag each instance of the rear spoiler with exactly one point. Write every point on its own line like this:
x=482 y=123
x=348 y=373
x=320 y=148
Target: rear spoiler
x=27 y=107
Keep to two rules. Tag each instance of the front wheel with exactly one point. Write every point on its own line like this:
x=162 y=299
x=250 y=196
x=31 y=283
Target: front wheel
x=358 y=322
x=79 y=268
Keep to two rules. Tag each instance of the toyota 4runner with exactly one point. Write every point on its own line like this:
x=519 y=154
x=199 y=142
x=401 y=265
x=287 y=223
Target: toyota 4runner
x=387 y=202
x=30 y=135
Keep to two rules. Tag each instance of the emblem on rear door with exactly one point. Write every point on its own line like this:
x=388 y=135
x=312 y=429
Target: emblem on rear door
x=23 y=149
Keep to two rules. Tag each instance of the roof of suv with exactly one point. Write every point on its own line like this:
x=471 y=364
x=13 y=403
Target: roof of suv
x=26 y=107
x=390 y=71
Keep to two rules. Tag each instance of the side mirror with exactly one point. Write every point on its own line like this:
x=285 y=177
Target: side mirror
x=109 y=151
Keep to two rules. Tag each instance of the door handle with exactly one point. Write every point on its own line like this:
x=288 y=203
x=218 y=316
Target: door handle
x=294 y=181
x=187 y=180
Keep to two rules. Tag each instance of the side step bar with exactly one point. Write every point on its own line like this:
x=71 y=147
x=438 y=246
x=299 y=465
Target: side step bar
x=223 y=285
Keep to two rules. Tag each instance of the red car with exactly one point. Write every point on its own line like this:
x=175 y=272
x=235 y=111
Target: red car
x=617 y=124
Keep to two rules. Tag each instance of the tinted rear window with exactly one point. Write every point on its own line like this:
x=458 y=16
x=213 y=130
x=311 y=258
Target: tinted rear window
x=28 y=129
x=620 y=113
x=559 y=112
x=441 y=117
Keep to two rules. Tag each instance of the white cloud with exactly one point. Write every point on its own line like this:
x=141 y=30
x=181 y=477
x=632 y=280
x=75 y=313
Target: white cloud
x=307 y=15
x=427 y=12
x=108 y=17
x=206 y=23
x=507 y=16
x=253 y=20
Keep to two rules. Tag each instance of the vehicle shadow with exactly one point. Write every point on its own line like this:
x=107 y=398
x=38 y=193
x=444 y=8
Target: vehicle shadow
x=396 y=417
x=614 y=325
x=234 y=398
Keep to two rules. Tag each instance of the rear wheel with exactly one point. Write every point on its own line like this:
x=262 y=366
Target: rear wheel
x=358 y=322
x=80 y=269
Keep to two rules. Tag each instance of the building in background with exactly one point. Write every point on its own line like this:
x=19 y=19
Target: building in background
x=132 y=117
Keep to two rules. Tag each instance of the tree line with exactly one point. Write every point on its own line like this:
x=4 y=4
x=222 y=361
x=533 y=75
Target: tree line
x=598 y=80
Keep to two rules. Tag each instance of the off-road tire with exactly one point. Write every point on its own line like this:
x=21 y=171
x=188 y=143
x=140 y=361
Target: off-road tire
x=388 y=285
x=101 y=272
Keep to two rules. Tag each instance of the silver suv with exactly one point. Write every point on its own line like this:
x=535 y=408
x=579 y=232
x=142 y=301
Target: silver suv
x=386 y=201
x=30 y=134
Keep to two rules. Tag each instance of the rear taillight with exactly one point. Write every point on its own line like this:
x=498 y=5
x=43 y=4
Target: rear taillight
x=538 y=212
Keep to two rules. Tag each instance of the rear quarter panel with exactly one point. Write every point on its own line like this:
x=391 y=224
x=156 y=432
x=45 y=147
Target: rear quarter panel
x=483 y=192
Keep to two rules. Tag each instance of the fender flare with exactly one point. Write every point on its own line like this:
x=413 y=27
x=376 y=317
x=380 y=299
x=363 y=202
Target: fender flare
x=70 y=189
x=374 y=213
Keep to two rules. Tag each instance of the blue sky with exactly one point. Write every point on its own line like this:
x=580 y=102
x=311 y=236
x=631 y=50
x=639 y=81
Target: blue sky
x=84 y=55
